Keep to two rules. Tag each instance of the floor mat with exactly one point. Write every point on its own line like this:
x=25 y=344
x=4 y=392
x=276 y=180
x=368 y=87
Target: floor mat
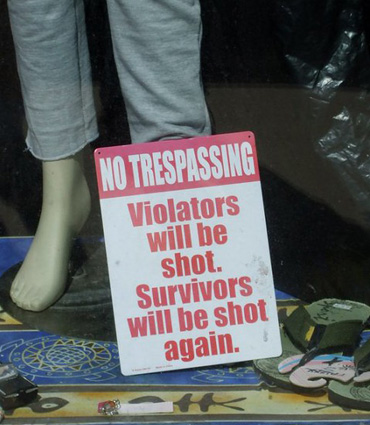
x=75 y=374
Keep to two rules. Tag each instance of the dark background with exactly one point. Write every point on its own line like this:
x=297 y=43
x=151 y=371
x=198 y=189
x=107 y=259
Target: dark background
x=318 y=224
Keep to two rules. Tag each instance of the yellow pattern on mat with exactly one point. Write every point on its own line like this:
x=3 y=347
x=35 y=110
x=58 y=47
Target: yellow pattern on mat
x=261 y=403
x=6 y=319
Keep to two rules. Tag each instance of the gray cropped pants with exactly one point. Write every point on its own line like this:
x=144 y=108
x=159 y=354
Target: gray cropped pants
x=157 y=53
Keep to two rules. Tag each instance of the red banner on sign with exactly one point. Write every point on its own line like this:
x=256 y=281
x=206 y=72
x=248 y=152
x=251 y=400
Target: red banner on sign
x=168 y=166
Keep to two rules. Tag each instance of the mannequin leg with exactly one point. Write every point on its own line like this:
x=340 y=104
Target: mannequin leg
x=66 y=206
x=157 y=53
x=54 y=70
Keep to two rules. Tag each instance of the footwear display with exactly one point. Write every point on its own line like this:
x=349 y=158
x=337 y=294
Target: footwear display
x=318 y=343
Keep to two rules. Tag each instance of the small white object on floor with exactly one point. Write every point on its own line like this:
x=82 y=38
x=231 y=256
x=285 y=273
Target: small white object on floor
x=142 y=408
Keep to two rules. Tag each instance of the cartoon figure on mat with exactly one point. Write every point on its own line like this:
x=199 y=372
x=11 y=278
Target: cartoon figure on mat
x=157 y=53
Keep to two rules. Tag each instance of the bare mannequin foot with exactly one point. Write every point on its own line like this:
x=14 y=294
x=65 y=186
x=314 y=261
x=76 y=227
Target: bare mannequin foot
x=42 y=277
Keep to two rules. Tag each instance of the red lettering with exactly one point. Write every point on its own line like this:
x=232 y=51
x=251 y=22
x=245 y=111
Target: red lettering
x=207 y=208
x=208 y=235
x=195 y=208
x=136 y=214
x=220 y=289
x=169 y=271
x=160 y=213
x=247 y=289
x=231 y=202
x=203 y=346
x=262 y=310
x=140 y=292
x=220 y=234
x=206 y=290
x=219 y=206
x=138 y=326
x=157 y=241
x=221 y=316
x=185 y=293
x=232 y=283
x=200 y=319
x=185 y=320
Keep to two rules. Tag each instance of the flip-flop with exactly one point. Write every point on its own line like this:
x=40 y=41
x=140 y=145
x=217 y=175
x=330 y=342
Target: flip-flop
x=362 y=362
x=356 y=393
x=328 y=326
x=316 y=372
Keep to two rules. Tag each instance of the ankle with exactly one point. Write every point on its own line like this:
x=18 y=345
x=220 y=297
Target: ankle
x=66 y=192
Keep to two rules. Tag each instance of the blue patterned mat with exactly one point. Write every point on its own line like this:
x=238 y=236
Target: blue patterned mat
x=74 y=375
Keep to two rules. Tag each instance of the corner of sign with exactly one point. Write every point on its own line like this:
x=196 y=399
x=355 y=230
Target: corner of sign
x=245 y=133
x=278 y=349
x=97 y=152
x=127 y=371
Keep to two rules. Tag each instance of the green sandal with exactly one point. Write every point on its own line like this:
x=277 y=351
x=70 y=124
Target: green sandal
x=355 y=394
x=323 y=327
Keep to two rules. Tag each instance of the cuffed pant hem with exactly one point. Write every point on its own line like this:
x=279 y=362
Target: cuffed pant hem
x=46 y=157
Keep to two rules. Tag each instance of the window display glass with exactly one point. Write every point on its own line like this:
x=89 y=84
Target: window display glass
x=78 y=75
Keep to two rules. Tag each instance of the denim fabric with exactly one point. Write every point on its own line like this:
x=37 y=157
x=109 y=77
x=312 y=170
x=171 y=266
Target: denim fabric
x=157 y=52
